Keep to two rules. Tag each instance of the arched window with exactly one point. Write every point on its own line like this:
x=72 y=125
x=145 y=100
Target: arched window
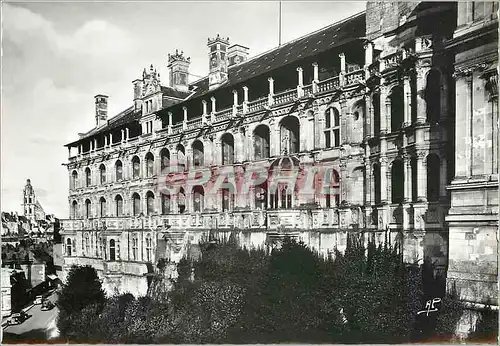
x=164 y=158
x=397 y=182
x=332 y=128
x=68 y=247
x=332 y=180
x=181 y=157
x=88 y=177
x=136 y=167
x=136 y=204
x=119 y=205
x=74 y=180
x=281 y=194
x=198 y=196
x=290 y=135
x=227 y=149
x=74 y=210
x=433 y=96
x=261 y=142
x=119 y=170
x=88 y=209
x=112 y=250
x=261 y=196
x=102 y=174
x=198 y=152
x=150 y=161
x=181 y=202
x=102 y=207
x=433 y=177
x=376 y=113
x=397 y=108
x=376 y=186
x=150 y=202
x=165 y=204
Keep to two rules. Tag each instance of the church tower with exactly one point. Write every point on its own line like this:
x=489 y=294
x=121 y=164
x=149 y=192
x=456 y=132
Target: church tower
x=217 y=53
x=29 y=201
x=33 y=211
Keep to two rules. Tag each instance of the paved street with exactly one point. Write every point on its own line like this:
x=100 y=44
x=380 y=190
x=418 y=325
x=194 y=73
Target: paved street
x=40 y=326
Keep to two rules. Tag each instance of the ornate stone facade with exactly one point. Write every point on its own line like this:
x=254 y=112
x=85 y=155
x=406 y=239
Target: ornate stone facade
x=379 y=111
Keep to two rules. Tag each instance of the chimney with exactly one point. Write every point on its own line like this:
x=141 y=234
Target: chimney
x=217 y=53
x=101 y=109
x=178 y=66
x=138 y=85
x=236 y=54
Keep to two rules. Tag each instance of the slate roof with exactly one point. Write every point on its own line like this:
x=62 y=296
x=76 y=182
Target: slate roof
x=335 y=35
x=123 y=118
x=168 y=91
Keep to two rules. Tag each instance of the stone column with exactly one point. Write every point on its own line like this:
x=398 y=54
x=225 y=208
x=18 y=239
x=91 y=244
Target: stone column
x=249 y=143
x=408 y=178
x=310 y=131
x=204 y=115
x=127 y=134
x=189 y=157
x=169 y=126
x=383 y=180
x=235 y=102
x=270 y=99
x=274 y=139
x=368 y=117
x=383 y=108
x=368 y=53
x=388 y=114
x=218 y=152
x=184 y=122
x=345 y=132
x=315 y=77
x=245 y=99
x=342 y=69
x=421 y=85
x=421 y=176
x=300 y=84
x=407 y=101
x=214 y=109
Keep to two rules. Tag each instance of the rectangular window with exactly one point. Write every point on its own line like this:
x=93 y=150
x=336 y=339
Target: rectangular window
x=478 y=10
x=328 y=139
x=134 y=249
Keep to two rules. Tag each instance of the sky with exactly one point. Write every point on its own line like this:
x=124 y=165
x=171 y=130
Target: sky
x=56 y=56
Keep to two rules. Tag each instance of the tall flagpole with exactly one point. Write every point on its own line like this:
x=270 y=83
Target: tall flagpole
x=279 y=39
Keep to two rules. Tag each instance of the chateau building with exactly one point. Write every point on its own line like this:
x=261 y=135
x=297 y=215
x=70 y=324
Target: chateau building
x=396 y=108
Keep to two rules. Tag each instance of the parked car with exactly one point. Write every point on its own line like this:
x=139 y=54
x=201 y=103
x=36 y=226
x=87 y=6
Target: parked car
x=47 y=305
x=19 y=317
x=38 y=300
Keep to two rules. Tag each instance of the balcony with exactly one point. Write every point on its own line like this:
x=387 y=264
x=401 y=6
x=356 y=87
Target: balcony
x=285 y=97
x=257 y=105
x=328 y=84
x=355 y=77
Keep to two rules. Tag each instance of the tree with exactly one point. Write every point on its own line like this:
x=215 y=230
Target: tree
x=82 y=290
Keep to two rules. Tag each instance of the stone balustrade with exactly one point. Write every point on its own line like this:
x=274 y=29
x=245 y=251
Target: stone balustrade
x=329 y=84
